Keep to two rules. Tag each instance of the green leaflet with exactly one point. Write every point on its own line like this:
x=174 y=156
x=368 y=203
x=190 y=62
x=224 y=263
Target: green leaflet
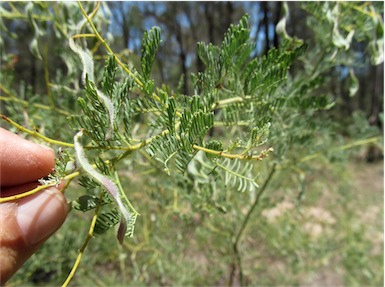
x=163 y=148
x=150 y=44
x=106 y=220
x=109 y=72
x=236 y=46
x=88 y=202
x=238 y=175
x=194 y=123
x=98 y=116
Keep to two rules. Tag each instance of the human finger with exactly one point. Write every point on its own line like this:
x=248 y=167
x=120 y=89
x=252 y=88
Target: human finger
x=23 y=161
x=25 y=225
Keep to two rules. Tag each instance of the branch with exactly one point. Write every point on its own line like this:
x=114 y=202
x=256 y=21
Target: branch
x=246 y=221
x=262 y=154
x=12 y=97
x=36 y=134
x=67 y=179
x=128 y=149
x=109 y=50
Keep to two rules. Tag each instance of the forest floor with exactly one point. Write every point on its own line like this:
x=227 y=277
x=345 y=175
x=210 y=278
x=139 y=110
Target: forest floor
x=352 y=252
x=368 y=189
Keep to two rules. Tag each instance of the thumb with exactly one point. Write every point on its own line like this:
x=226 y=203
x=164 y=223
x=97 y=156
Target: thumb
x=25 y=225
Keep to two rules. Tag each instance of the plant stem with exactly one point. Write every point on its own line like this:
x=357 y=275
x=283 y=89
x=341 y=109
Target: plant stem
x=36 y=134
x=243 y=226
x=104 y=43
x=128 y=149
x=85 y=243
x=260 y=156
x=344 y=147
x=67 y=178
x=12 y=97
x=25 y=194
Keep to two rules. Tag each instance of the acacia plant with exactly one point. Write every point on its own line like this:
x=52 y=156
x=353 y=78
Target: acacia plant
x=105 y=116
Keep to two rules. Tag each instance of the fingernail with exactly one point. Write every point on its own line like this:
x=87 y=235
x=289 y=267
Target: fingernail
x=41 y=215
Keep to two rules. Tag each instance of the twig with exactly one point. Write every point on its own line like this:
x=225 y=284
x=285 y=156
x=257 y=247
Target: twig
x=85 y=243
x=67 y=179
x=243 y=226
x=13 y=98
x=35 y=133
x=25 y=194
x=260 y=156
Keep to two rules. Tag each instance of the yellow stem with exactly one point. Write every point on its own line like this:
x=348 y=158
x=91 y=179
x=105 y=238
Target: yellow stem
x=24 y=16
x=25 y=194
x=7 y=92
x=229 y=101
x=85 y=243
x=67 y=178
x=343 y=147
x=96 y=9
x=36 y=134
x=109 y=50
x=83 y=36
x=129 y=148
x=12 y=97
x=233 y=156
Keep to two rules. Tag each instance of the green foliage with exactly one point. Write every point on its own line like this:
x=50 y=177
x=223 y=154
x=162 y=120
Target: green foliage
x=201 y=159
x=88 y=202
x=150 y=44
x=106 y=220
x=237 y=175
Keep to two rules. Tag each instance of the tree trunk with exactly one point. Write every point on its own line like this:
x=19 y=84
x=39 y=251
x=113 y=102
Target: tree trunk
x=265 y=22
x=376 y=94
x=277 y=17
x=363 y=91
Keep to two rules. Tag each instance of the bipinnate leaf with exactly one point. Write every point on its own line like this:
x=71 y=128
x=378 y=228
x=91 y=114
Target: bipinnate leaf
x=87 y=202
x=150 y=44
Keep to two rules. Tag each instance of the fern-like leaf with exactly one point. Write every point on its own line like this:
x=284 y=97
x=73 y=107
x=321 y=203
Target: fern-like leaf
x=88 y=202
x=109 y=72
x=106 y=220
x=150 y=44
x=163 y=148
x=237 y=174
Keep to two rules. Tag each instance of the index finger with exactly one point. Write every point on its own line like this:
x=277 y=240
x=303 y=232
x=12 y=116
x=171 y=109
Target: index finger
x=22 y=161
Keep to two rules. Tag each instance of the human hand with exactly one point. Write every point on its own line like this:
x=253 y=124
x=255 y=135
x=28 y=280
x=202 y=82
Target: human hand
x=27 y=222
